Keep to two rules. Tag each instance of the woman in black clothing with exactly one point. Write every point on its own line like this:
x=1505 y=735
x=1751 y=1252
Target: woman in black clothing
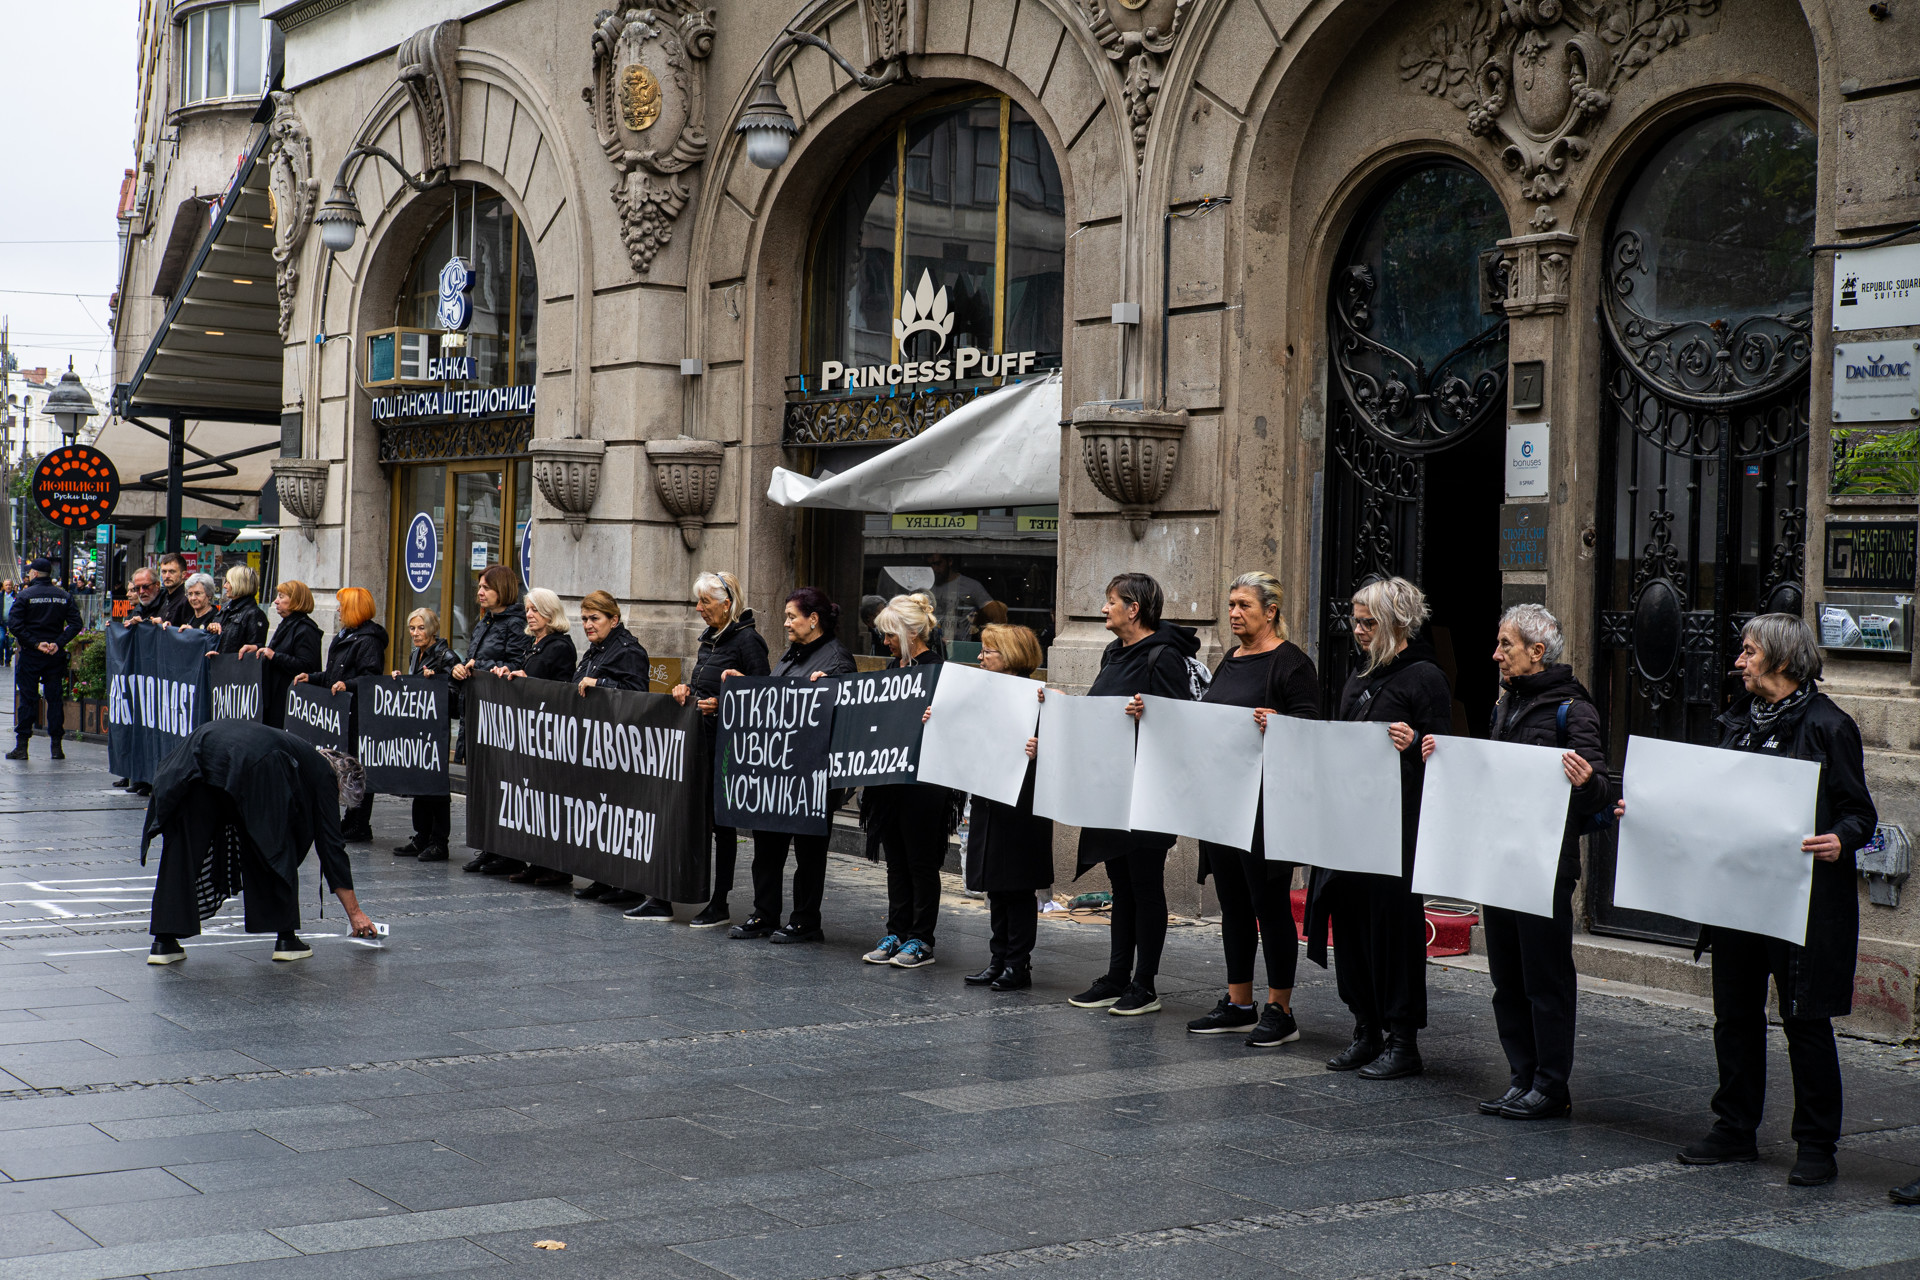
x=813 y=653
x=911 y=820
x=294 y=650
x=730 y=646
x=1788 y=716
x=613 y=660
x=499 y=637
x=1274 y=676
x=240 y=622
x=358 y=649
x=1146 y=656
x=432 y=815
x=201 y=610
x=1380 y=921
x=550 y=657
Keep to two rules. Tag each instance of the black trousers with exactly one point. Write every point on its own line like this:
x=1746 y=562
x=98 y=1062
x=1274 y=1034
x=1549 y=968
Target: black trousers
x=1530 y=959
x=272 y=905
x=1139 y=882
x=1380 y=949
x=433 y=818
x=726 y=848
x=809 y=876
x=32 y=682
x=1015 y=915
x=913 y=838
x=1742 y=963
x=1256 y=911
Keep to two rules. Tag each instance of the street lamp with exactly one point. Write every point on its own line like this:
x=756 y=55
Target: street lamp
x=339 y=217
x=767 y=127
x=69 y=406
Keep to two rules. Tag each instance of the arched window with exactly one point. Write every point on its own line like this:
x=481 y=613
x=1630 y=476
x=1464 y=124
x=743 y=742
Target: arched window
x=502 y=334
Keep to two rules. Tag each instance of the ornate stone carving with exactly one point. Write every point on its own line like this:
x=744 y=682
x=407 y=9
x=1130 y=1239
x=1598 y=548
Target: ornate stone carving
x=1539 y=269
x=647 y=103
x=1130 y=455
x=426 y=67
x=568 y=474
x=1534 y=76
x=860 y=419
x=301 y=484
x=686 y=475
x=1138 y=36
x=894 y=29
x=292 y=189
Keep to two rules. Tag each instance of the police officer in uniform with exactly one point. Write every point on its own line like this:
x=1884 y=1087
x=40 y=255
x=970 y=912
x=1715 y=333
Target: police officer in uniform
x=43 y=619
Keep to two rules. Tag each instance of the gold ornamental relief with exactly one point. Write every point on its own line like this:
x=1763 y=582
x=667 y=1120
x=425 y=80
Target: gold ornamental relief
x=639 y=97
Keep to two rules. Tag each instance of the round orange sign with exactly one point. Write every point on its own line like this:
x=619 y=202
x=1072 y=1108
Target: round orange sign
x=76 y=487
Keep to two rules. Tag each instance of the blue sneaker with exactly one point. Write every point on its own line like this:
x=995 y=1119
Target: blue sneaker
x=884 y=950
x=913 y=955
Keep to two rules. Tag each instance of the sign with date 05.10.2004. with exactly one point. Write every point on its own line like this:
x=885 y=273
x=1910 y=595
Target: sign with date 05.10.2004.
x=876 y=726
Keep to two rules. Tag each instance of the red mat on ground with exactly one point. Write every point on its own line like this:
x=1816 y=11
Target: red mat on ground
x=1447 y=932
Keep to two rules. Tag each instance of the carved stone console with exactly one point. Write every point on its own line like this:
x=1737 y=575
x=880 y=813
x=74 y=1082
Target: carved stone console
x=293 y=190
x=1130 y=455
x=1138 y=36
x=686 y=475
x=425 y=65
x=301 y=484
x=568 y=474
x=1539 y=273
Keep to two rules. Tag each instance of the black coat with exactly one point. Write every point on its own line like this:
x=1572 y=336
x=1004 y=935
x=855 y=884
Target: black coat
x=824 y=653
x=1009 y=849
x=553 y=658
x=296 y=650
x=1820 y=974
x=1155 y=664
x=354 y=652
x=174 y=609
x=438 y=657
x=736 y=647
x=1529 y=713
x=241 y=624
x=499 y=639
x=618 y=662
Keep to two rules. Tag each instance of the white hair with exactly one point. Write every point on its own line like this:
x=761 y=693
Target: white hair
x=1400 y=610
x=548 y=606
x=1535 y=625
x=206 y=583
x=719 y=586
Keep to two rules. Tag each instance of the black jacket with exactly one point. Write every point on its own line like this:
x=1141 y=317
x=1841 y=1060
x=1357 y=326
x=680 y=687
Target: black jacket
x=355 y=652
x=42 y=612
x=553 y=658
x=1155 y=664
x=1820 y=974
x=824 y=653
x=296 y=649
x=618 y=662
x=736 y=647
x=437 y=657
x=499 y=639
x=1529 y=712
x=173 y=607
x=241 y=624
x=1009 y=849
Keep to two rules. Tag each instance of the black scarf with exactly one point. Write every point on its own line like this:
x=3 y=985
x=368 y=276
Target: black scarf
x=1764 y=718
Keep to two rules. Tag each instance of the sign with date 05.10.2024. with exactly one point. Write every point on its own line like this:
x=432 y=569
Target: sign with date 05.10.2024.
x=876 y=726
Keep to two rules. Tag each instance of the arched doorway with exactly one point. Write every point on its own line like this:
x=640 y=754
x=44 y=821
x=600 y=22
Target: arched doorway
x=1707 y=315
x=1417 y=371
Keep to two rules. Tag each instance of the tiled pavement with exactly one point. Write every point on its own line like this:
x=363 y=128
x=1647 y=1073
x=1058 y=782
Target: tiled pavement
x=515 y=1066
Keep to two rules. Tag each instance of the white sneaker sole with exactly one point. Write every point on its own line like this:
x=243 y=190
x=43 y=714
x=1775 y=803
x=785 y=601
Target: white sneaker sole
x=708 y=924
x=1221 y=1031
x=1273 y=1044
x=1118 y=1012
x=647 y=919
x=874 y=957
x=1094 y=1004
x=175 y=958
x=912 y=964
x=305 y=954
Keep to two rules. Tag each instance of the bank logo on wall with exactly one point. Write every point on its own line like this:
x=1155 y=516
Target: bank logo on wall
x=456 y=286
x=423 y=552
x=924 y=311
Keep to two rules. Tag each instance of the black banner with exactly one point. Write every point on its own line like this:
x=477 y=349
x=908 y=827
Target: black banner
x=400 y=734
x=610 y=785
x=876 y=726
x=320 y=717
x=770 y=763
x=156 y=695
x=236 y=687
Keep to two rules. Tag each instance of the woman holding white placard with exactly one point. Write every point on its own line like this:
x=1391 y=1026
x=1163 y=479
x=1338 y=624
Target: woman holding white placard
x=1379 y=922
x=1529 y=957
x=1272 y=675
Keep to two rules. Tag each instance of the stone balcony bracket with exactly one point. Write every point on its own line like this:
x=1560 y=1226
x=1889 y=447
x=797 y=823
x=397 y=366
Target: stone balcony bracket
x=686 y=475
x=567 y=471
x=301 y=484
x=1130 y=455
x=1539 y=272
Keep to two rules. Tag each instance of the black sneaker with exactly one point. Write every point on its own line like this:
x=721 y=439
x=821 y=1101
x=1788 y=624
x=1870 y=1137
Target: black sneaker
x=1103 y=994
x=291 y=946
x=1813 y=1168
x=651 y=909
x=712 y=916
x=433 y=853
x=1138 y=1000
x=57 y=753
x=18 y=753
x=411 y=849
x=794 y=933
x=479 y=862
x=166 y=950
x=752 y=927
x=1226 y=1016
x=587 y=894
x=1275 y=1028
x=1719 y=1148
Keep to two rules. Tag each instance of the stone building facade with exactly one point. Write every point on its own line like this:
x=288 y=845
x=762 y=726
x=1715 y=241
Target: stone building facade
x=1511 y=296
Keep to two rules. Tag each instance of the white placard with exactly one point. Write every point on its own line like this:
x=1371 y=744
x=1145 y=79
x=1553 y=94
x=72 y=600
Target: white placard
x=977 y=739
x=1492 y=817
x=1876 y=382
x=1196 y=771
x=1714 y=836
x=1332 y=791
x=1877 y=288
x=1084 y=774
x=1526 y=460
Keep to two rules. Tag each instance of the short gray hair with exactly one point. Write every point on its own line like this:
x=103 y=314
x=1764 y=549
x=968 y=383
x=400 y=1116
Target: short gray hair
x=1401 y=610
x=1787 y=644
x=1536 y=626
x=206 y=583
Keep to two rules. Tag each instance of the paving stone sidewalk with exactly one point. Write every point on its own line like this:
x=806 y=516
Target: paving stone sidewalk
x=515 y=1066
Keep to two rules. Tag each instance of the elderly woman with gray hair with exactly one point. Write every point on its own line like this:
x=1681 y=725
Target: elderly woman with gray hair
x=1786 y=715
x=1529 y=957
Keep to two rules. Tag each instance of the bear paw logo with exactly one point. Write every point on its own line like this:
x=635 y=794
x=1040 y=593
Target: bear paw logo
x=924 y=311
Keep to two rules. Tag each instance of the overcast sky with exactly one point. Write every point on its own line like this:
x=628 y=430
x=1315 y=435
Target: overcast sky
x=67 y=99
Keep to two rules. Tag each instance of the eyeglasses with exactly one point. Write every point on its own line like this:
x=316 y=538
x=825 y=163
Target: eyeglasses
x=1365 y=624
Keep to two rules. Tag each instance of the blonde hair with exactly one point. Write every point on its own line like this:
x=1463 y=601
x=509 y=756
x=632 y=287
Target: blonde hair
x=714 y=586
x=1018 y=647
x=1399 y=608
x=547 y=605
x=242 y=581
x=428 y=616
x=602 y=603
x=907 y=618
x=1266 y=590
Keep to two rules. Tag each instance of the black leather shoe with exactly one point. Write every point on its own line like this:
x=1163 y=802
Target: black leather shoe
x=1014 y=978
x=434 y=853
x=1909 y=1194
x=752 y=927
x=1400 y=1059
x=592 y=892
x=1718 y=1148
x=621 y=898
x=18 y=753
x=1491 y=1107
x=1813 y=1168
x=478 y=862
x=1535 y=1105
x=986 y=975
x=411 y=849
x=1364 y=1049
